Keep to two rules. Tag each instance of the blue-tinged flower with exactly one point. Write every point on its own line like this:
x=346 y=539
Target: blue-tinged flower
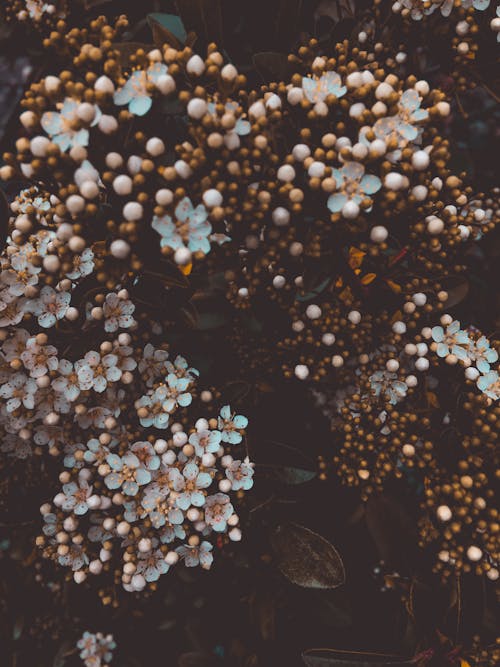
x=76 y=497
x=482 y=354
x=96 y=650
x=189 y=485
x=230 y=425
x=240 y=474
x=317 y=89
x=451 y=341
x=135 y=92
x=151 y=410
x=177 y=394
x=146 y=454
x=95 y=452
x=65 y=128
x=384 y=383
x=196 y=555
x=75 y=558
x=152 y=565
x=50 y=524
x=181 y=369
x=170 y=533
x=83 y=265
x=117 y=313
x=489 y=384
x=127 y=473
x=218 y=509
x=191 y=228
x=409 y=112
x=352 y=186
x=70 y=460
x=479 y=5
x=205 y=442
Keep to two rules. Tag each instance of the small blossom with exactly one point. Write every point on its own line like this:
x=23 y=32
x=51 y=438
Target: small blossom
x=191 y=228
x=451 y=341
x=240 y=474
x=50 y=306
x=127 y=473
x=218 y=509
x=135 y=93
x=196 y=555
x=317 y=89
x=231 y=425
x=489 y=384
x=64 y=127
x=352 y=186
x=117 y=313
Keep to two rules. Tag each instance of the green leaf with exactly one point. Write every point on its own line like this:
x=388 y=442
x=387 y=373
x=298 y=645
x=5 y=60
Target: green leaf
x=167 y=29
x=305 y=558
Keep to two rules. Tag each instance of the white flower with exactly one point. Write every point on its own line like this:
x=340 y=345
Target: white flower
x=95 y=372
x=117 y=313
x=50 y=306
x=39 y=359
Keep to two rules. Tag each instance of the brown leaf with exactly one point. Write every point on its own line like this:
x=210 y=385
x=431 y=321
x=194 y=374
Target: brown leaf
x=305 y=558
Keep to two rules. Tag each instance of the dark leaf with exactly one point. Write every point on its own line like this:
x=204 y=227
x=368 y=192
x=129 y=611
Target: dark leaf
x=390 y=528
x=457 y=294
x=288 y=475
x=315 y=291
x=305 y=558
x=204 y=17
x=336 y=10
x=167 y=29
x=272 y=66
x=326 y=657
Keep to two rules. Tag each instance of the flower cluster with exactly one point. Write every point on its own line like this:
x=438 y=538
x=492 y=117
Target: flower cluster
x=96 y=650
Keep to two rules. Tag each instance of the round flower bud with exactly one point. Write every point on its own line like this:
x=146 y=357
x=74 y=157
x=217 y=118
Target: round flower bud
x=443 y=108
x=420 y=160
x=313 y=312
x=119 y=249
x=301 y=372
x=155 y=146
x=295 y=96
x=444 y=513
x=435 y=225
x=350 y=210
x=392 y=365
x=212 y=198
x=183 y=169
x=182 y=256
x=378 y=234
x=79 y=576
x=316 y=170
x=337 y=361
x=197 y=108
x=104 y=85
x=399 y=327
x=86 y=112
x=171 y=558
x=95 y=567
x=52 y=84
x=133 y=211
x=229 y=72
x=419 y=299
x=165 y=84
x=474 y=553
x=286 y=173
x=300 y=152
x=225 y=486
x=422 y=364
x=123 y=528
x=107 y=124
x=281 y=216
x=383 y=91
x=164 y=197
x=39 y=146
x=394 y=181
x=138 y=582
x=354 y=316
x=328 y=339
x=195 y=66
x=411 y=381
x=123 y=185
